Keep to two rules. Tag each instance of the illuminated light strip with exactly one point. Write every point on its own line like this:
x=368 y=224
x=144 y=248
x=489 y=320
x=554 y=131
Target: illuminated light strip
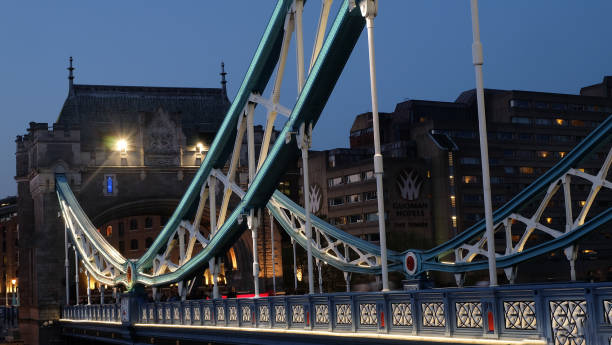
x=92 y=321
x=432 y=339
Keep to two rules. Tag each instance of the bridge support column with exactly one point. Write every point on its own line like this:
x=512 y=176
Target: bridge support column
x=88 y=289
x=369 y=9
x=484 y=149
x=212 y=201
x=67 y=265
x=304 y=141
x=76 y=276
x=272 y=244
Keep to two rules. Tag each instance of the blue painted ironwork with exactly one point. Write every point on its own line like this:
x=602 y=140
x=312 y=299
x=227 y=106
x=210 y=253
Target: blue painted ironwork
x=560 y=314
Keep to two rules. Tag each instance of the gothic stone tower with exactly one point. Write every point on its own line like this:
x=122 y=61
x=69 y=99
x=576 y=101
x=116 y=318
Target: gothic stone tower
x=162 y=127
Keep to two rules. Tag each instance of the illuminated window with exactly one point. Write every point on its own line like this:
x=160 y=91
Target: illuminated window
x=542 y=154
x=353 y=198
x=336 y=181
x=560 y=122
x=355 y=218
x=577 y=123
x=109 y=185
x=470 y=179
x=353 y=178
x=582 y=203
x=422 y=119
x=561 y=154
x=526 y=170
x=109 y=230
x=454 y=220
x=232 y=255
x=452 y=197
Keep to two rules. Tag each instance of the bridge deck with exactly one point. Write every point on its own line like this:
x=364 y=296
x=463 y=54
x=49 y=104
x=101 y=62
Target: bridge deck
x=519 y=314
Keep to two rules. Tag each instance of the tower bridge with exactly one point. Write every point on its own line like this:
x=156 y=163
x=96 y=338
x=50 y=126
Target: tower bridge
x=68 y=171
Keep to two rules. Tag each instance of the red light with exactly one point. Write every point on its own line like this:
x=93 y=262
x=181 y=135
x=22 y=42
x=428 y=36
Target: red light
x=410 y=263
x=491 y=322
x=382 y=319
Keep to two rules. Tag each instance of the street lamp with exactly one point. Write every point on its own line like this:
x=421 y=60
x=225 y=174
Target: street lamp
x=13 y=286
x=122 y=145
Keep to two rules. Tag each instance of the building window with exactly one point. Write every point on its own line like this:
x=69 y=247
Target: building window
x=353 y=198
x=148 y=242
x=134 y=244
x=541 y=105
x=577 y=123
x=133 y=224
x=518 y=103
x=368 y=175
x=561 y=154
x=472 y=198
x=524 y=136
x=469 y=160
x=526 y=170
x=355 y=218
x=148 y=223
x=335 y=201
x=497 y=180
x=558 y=106
x=470 y=179
x=120 y=229
x=353 y=178
x=369 y=195
x=509 y=170
x=542 y=154
x=110 y=185
x=543 y=122
x=339 y=220
x=521 y=120
x=561 y=138
x=121 y=246
x=542 y=138
x=372 y=217
x=560 y=122
x=336 y=181
x=522 y=154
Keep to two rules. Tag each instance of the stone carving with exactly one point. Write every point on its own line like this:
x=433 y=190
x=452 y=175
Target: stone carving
x=177 y=315
x=207 y=314
x=161 y=139
x=196 y=313
x=187 y=313
x=567 y=322
x=468 y=314
x=520 y=315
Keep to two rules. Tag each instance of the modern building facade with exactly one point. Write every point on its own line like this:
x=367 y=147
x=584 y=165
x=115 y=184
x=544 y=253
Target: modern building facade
x=433 y=176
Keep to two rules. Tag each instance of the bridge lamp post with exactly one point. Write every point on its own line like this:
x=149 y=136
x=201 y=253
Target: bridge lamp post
x=477 y=59
x=121 y=146
x=369 y=9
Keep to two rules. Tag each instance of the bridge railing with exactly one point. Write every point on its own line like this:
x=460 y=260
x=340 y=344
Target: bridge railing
x=556 y=314
x=93 y=312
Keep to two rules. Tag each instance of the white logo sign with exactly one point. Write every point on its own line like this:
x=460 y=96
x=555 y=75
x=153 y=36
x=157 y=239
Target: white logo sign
x=409 y=184
x=315 y=198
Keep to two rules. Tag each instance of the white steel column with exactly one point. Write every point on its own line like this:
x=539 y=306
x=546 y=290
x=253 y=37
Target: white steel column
x=304 y=140
x=295 y=281
x=76 y=275
x=477 y=59
x=254 y=219
x=272 y=246
x=212 y=200
x=369 y=10
x=66 y=265
x=299 y=43
x=88 y=289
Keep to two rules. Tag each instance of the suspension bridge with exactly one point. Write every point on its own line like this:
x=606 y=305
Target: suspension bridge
x=564 y=313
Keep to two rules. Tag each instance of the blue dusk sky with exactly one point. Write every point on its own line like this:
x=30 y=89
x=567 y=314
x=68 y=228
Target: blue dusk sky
x=423 y=51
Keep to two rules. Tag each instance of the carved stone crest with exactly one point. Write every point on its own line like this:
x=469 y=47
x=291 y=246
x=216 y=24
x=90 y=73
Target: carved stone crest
x=161 y=138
